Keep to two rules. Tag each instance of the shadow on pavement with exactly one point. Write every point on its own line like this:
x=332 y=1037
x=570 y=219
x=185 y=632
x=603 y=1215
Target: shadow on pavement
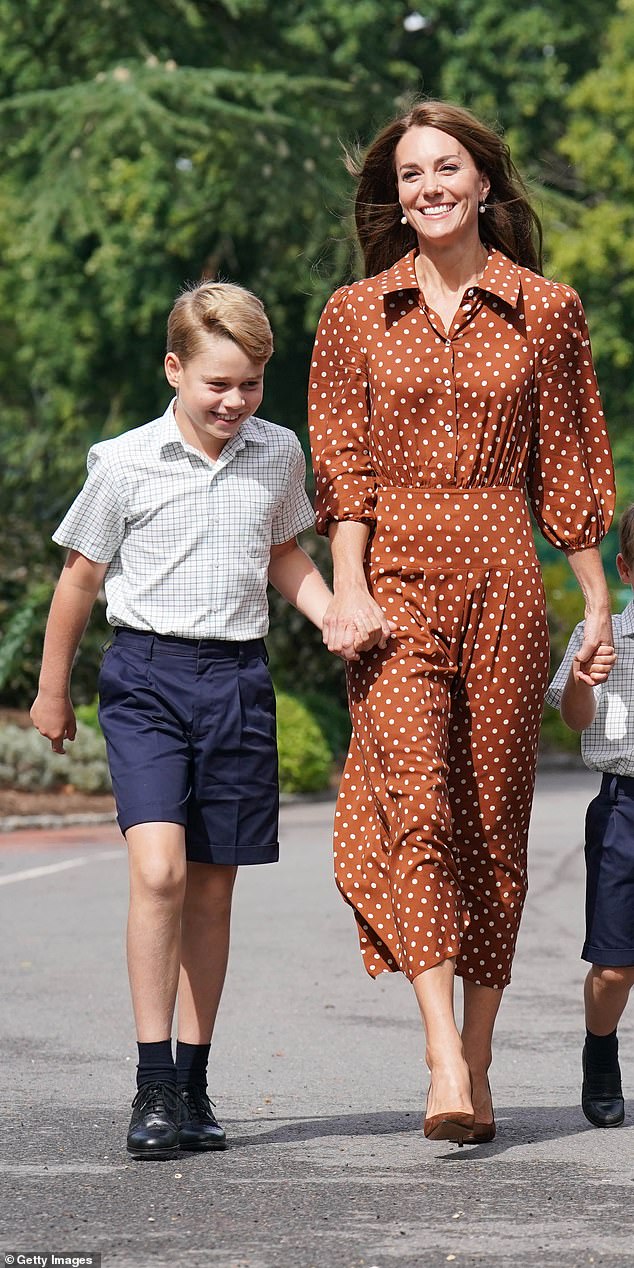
x=520 y=1125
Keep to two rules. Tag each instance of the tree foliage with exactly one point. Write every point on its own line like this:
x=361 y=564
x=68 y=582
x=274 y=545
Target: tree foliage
x=148 y=145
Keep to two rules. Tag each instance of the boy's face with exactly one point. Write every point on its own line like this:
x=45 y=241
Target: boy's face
x=217 y=390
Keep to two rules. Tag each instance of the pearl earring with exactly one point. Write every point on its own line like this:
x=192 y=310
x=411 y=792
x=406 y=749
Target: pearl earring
x=403 y=220
x=483 y=208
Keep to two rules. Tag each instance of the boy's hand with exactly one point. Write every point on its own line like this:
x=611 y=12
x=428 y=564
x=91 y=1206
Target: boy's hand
x=54 y=718
x=597 y=668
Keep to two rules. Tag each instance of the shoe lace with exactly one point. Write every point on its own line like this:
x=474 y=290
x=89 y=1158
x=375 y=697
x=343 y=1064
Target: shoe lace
x=200 y=1101
x=154 y=1097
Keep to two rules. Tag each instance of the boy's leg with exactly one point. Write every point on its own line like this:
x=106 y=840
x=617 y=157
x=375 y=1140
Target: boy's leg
x=156 y=855
x=606 y=992
x=609 y=945
x=204 y=954
x=204 y=948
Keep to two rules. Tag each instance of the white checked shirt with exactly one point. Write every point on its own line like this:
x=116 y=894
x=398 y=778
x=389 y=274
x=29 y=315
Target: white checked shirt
x=188 y=540
x=608 y=744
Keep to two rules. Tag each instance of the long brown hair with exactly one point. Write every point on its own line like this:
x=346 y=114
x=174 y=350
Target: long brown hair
x=508 y=224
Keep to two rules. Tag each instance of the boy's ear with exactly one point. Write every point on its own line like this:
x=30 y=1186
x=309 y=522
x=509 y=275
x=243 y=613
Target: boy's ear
x=625 y=572
x=173 y=369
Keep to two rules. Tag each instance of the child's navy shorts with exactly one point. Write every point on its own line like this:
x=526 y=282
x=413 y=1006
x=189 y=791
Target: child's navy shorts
x=190 y=732
x=610 y=874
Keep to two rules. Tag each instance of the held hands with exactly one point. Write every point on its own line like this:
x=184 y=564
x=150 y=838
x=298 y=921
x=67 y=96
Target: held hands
x=354 y=623
x=596 y=668
x=54 y=718
x=596 y=656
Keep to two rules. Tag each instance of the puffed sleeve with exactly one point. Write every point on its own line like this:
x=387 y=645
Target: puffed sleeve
x=339 y=417
x=571 y=476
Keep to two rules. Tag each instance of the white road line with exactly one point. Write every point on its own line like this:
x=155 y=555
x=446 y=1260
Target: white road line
x=32 y=873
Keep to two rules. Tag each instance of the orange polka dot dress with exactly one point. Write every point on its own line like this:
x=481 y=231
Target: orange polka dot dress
x=439 y=441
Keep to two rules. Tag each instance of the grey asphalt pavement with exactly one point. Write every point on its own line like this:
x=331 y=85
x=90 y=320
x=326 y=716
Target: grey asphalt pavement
x=318 y=1075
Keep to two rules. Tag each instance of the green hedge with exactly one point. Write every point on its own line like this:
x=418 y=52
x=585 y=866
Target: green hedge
x=305 y=758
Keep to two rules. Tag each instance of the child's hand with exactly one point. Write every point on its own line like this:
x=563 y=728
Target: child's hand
x=598 y=668
x=54 y=718
x=364 y=642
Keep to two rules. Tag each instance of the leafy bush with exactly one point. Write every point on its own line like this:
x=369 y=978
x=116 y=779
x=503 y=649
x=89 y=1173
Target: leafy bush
x=305 y=758
x=87 y=713
x=27 y=761
x=332 y=718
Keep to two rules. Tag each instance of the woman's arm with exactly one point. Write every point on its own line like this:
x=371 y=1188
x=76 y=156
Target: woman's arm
x=353 y=619
x=588 y=569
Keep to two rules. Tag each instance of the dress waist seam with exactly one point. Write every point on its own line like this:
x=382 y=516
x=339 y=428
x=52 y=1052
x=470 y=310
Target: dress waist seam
x=474 y=491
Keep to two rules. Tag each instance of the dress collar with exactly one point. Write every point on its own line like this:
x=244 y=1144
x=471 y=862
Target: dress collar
x=501 y=277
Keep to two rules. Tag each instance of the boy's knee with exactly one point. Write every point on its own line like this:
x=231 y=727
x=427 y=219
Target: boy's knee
x=616 y=976
x=160 y=879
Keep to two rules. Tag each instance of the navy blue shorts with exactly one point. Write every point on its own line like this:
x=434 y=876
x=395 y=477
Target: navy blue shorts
x=610 y=874
x=190 y=732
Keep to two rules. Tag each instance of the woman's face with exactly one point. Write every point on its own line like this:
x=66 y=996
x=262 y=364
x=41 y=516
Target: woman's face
x=439 y=187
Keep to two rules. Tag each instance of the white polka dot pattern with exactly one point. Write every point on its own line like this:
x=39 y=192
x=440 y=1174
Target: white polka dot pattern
x=433 y=439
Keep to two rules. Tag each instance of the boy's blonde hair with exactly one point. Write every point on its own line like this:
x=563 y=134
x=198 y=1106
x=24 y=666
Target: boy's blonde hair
x=626 y=535
x=219 y=308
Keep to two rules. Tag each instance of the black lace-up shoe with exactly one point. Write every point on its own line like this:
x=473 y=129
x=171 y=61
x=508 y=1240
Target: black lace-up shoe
x=153 y=1131
x=602 y=1096
x=199 y=1128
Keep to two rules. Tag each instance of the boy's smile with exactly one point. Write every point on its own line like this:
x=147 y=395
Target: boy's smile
x=217 y=389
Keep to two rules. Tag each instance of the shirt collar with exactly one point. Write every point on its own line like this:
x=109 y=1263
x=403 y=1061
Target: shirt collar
x=626 y=622
x=501 y=277
x=169 y=433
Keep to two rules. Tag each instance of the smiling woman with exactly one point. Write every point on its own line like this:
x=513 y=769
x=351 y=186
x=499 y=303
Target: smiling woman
x=446 y=387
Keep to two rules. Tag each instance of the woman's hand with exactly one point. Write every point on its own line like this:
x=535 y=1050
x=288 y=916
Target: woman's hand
x=596 y=656
x=354 y=623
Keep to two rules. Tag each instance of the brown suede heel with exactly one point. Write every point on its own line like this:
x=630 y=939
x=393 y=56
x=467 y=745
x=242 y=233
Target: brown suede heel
x=450 y=1126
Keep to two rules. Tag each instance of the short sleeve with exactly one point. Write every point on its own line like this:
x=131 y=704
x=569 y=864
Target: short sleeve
x=95 y=524
x=571 y=476
x=339 y=418
x=294 y=512
x=556 y=688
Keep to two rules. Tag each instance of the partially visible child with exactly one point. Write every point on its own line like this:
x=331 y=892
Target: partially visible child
x=186 y=519
x=604 y=712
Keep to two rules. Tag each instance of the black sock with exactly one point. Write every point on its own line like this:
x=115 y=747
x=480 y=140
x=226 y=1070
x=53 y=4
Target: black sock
x=602 y=1052
x=156 y=1063
x=191 y=1064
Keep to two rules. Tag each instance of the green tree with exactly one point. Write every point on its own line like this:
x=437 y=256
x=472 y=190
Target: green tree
x=593 y=243
x=147 y=145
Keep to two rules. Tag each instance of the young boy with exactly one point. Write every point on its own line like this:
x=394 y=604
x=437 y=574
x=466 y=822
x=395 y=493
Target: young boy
x=605 y=715
x=185 y=519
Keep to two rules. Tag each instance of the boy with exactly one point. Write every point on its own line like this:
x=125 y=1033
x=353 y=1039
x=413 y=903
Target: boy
x=605 y=715
x=185 y=519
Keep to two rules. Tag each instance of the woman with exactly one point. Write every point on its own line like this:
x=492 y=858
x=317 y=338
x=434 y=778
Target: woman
x=445 y=387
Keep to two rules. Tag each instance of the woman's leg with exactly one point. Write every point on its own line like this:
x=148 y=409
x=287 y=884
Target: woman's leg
x=204 y=948
x=606 y=993
x=156 y=856
x=449 y=1089
x=481 y=1004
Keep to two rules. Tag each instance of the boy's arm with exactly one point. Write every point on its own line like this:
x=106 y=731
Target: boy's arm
x=578 y=704
x=294 y=574
x=52 y=712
